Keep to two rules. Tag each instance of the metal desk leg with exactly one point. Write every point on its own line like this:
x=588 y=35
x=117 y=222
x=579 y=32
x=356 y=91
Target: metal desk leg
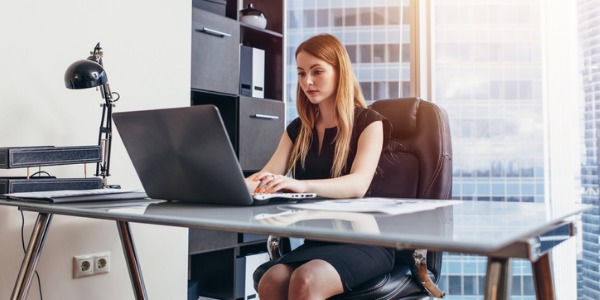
x=542 y=278
x=497 y=283
x=32 y=256
x=135 y=273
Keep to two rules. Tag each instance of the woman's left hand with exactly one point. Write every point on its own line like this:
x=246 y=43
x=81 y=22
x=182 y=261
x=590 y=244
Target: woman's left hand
x=271 y=183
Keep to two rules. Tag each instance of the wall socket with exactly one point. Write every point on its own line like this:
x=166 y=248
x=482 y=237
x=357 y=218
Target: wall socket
x=91 y=264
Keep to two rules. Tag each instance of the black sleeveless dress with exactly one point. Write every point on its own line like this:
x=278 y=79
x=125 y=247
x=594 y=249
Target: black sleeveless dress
x=354 y=263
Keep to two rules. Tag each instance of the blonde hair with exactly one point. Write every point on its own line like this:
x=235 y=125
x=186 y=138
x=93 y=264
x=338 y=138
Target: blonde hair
x=348 y=96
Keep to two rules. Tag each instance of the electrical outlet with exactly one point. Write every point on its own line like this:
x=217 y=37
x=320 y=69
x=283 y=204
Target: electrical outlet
x=91 y=264
x=83 y=265
x=102 y=263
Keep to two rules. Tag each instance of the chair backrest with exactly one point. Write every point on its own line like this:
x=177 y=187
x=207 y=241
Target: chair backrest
x=418 y=163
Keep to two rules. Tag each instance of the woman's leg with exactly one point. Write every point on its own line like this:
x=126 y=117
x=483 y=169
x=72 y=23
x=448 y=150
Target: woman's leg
x=316 y=279
x=274 y=283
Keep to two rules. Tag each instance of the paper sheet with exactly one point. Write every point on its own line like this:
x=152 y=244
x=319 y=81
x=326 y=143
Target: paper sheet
x=376 y=205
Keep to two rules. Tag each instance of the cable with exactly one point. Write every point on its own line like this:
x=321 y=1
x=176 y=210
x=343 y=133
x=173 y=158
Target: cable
x=25 y=251
x=116 y=99
x=39 y=174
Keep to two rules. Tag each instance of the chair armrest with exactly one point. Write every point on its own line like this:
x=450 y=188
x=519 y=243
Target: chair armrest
x=421 y=273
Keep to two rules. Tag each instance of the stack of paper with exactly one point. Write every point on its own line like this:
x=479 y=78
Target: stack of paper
x=70 y=196
x=376 y=205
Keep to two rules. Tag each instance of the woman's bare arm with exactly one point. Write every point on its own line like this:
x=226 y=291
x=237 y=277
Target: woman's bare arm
x=353 y=185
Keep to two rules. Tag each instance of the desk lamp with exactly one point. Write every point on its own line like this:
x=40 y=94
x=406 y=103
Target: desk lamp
x=87 y=73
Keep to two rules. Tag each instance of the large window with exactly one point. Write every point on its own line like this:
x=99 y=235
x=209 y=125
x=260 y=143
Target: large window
x=490 y=70
x=491 y=66
x=376 y=35
x=488 y=76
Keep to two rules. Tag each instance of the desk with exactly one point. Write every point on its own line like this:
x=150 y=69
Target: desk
x=500 y=231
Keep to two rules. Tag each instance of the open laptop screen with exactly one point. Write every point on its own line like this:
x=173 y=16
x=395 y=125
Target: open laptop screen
x=183 y=154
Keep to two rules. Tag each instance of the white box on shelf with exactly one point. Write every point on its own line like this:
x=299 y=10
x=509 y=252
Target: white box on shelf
x=252 y=72
x=245 y=267
x=258 y=73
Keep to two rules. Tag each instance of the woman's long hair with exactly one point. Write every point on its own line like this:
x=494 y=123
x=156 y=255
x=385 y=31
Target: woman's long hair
x=348 y=96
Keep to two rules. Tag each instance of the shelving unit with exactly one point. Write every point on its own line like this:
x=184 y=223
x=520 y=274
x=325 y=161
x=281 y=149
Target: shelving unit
x=254 y=125
x=215 y=76
x=214 y=262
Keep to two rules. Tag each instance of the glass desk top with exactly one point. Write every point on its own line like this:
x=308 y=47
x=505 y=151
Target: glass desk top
x=499 y=229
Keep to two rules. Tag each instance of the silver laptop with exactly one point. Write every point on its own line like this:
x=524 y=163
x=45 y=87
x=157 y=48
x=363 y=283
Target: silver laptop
x=185 y=154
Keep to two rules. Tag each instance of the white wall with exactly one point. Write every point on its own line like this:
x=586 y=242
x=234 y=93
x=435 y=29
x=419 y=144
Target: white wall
x=147 y=57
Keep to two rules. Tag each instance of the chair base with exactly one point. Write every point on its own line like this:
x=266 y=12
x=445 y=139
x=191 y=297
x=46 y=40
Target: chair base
x=398 y=284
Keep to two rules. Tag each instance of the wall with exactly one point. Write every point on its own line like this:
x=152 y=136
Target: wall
x=147 y=56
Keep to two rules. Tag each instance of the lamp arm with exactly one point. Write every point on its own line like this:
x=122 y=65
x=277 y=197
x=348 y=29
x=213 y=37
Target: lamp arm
x=108 y=141
x=108 y=94
x=105 y=136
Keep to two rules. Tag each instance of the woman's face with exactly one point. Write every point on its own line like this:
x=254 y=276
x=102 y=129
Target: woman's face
x=317 y=78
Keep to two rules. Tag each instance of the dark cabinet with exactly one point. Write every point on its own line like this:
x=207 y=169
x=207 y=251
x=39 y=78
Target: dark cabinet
x=254 y=125
x=215 y=270
x=260 y=124
x=215 y=52
x=216 y=41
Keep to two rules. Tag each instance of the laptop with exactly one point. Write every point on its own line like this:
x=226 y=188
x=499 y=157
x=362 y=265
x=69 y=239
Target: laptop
x=185 y=154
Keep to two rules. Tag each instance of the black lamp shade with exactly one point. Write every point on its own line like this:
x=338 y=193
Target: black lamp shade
x=84 y=74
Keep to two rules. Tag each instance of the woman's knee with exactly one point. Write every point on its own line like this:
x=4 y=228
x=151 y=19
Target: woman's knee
x=315 y=279
x=274 y=282
x=302 y=280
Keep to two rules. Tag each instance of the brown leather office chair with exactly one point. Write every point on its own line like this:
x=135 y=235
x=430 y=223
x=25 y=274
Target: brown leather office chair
x=418 y=165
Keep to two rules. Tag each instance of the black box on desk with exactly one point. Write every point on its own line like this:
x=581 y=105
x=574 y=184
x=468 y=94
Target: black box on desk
x=34 y=184
x=22 y=157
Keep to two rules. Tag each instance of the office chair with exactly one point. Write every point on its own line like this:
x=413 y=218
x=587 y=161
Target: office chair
x=420 y=145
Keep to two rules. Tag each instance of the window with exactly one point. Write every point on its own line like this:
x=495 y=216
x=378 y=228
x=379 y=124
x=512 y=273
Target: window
x=488 y=72
x=376 y=38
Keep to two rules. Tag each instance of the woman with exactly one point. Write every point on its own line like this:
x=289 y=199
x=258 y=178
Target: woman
x=332 y=149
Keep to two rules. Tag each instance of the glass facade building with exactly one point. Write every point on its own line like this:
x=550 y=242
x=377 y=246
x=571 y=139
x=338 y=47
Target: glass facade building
x=487 y=71
x=376 y=36
x=589 y=37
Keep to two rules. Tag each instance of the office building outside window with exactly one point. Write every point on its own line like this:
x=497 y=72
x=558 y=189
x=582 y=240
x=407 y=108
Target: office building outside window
x=492 y=65
x=589 y=35
x=487 y=70
x=376 y=36
x=487 y=75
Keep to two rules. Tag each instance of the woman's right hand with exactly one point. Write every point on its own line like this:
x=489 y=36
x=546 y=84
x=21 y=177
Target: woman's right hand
x=272 y=183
